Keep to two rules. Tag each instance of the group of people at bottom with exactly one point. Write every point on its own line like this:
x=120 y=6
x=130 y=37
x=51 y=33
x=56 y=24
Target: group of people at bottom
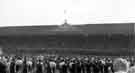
x=64 y=64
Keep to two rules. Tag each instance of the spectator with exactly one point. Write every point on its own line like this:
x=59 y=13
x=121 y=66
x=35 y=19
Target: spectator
x=120 y=65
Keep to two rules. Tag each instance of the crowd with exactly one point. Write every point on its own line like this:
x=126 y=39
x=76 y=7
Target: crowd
x=65 y=64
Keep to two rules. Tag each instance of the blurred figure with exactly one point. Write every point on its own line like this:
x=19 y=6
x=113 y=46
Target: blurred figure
x=39 y=67
x=29 y=66
x=131 y=69
x=52 y=66
x=12 y=65
x=3 y=66
x=71 y=65
x=19 y=65
x=62 y=67
x=120 y=65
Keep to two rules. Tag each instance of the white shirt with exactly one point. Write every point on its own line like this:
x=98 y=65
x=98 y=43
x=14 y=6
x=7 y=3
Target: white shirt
x=52 y=64
x=19 y=62
x=61 y=64
x=120 y=72
x=29 y=63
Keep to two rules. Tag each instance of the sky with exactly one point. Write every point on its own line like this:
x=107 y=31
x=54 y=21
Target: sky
x=51 y=12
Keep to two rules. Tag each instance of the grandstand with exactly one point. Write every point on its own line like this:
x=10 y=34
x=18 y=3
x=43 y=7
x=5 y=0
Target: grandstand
x=90 y=39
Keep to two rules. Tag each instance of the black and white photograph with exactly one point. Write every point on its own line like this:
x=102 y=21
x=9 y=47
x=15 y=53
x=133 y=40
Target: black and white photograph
x=67 y=36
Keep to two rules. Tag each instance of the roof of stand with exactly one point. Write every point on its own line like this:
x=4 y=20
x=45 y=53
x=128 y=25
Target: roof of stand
x=91 y=29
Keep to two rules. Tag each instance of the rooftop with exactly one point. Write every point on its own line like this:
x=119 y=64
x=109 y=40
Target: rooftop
x=90 y=29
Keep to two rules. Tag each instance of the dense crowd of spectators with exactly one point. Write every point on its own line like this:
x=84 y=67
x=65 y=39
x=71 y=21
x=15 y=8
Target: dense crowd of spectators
x=66 y=64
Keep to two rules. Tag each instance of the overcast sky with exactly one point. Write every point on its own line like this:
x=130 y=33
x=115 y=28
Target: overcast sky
x=51 y=12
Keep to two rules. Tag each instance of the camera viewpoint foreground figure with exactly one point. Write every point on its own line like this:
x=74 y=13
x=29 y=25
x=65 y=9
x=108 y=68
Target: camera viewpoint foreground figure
x=131 y=69
x=120 y=65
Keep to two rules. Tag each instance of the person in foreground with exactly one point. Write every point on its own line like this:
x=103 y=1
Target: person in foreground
x=121 y=65
x=131 y=69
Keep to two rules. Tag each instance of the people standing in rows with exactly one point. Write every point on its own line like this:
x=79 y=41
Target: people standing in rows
x=24 y=64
